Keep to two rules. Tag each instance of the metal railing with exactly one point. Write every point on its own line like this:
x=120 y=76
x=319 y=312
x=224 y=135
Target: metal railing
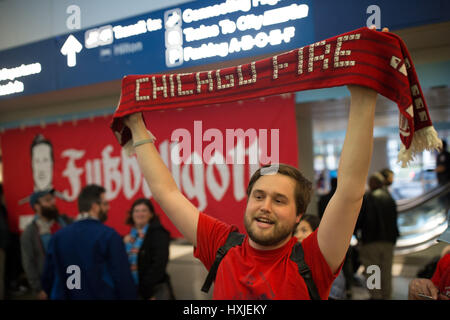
x=422 y=220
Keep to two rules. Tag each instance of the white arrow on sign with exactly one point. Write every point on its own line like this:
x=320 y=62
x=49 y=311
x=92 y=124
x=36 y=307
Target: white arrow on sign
x=70 y=49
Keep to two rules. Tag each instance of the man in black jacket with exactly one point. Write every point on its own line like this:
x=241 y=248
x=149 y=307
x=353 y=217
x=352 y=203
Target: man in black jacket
x=378 y=232
x=4 y=239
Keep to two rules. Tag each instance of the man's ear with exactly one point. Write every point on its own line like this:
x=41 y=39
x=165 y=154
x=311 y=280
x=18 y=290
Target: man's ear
x=299 y=216
x=95 y=207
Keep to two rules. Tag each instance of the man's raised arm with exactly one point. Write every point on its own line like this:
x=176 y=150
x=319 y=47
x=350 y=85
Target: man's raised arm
x=182 y=213
x=339 y=219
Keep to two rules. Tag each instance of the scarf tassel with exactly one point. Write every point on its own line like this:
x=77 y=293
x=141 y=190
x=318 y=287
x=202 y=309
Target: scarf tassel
x=424 y=139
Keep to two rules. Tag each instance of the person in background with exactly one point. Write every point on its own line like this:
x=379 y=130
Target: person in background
x=147 y=246
x=4 y=241
x=388 y=176
x=16 y=283
x=308 y=224
x=320 y=183
x=443 y=165
x=87 y=260
x=324 y=199
x=443 y=174
x=378 y=232
x=348 y=263
x=438 y=288
x=36 y=237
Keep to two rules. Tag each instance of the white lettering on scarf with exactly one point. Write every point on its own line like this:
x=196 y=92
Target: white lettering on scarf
x=224 y=81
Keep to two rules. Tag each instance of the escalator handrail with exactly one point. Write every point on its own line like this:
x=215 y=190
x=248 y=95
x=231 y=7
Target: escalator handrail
x=403 y=206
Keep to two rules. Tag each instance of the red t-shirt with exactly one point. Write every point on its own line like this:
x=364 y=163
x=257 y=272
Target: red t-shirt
x=441 y=277
x=251 y=274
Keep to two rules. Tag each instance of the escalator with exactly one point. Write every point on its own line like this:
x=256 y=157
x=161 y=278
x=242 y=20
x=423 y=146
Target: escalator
x=422 y=220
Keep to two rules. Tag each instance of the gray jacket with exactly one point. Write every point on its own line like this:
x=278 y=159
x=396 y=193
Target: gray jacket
x=33 y=253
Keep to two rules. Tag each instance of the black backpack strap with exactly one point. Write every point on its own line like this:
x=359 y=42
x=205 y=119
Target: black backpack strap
x=298 y=257
x=234 y=239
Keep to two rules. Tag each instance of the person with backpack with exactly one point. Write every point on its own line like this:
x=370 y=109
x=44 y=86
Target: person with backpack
x=261 y=267
x=267 y=263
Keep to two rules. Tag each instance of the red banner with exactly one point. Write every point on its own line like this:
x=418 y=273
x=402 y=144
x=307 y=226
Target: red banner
x=211 y=151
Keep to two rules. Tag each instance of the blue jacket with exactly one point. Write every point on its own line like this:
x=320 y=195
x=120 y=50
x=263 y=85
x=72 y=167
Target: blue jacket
x=98 y=254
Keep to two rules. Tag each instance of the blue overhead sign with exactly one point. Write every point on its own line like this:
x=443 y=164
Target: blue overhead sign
x=193 y=34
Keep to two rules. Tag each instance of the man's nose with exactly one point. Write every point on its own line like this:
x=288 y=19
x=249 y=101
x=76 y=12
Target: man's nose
x=267 y=204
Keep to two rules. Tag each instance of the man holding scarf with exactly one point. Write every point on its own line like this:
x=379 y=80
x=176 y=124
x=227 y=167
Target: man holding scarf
x=260 y=268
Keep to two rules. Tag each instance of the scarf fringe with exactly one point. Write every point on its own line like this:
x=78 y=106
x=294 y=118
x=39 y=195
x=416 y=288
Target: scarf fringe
x=424 y=139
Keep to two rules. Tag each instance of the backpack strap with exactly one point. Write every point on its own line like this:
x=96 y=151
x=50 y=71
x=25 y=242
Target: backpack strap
x=298 y=257
x=234 y=239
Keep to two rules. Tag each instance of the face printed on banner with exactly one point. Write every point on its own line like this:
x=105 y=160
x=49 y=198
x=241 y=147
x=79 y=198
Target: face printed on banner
x=42 y=165
x=270 y=217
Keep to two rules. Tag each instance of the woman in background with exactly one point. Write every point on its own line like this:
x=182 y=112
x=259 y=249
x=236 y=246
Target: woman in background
x=308 y=224
x=147 y=246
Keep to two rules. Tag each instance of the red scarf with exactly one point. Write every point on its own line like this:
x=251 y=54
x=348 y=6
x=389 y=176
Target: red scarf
x=378 y=60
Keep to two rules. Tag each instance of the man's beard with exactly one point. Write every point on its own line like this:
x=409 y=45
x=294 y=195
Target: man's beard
x=102 y=216
x=277 y=233
x=50 y=213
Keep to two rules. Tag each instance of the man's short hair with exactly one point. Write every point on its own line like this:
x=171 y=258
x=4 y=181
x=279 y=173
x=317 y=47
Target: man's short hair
x=386 y=172
x=376 y=181
x=88 y=196
x=303 y=187
x=312 y=220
